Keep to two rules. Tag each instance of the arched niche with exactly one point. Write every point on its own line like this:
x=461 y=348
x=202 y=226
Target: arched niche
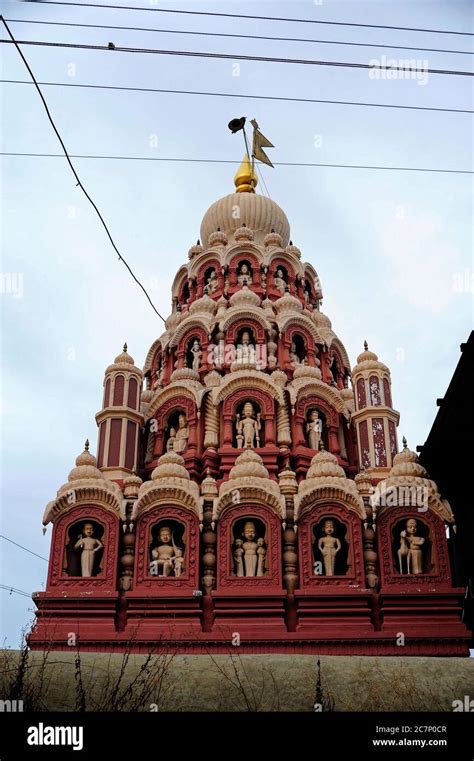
x=306 y=349
x=231 y=526
x=184 y=350
x=234 y=404
x=281 y=275
x=183 y=568
x=73 y=548
x=411 y=546
x=235 y=276
x=210 y=276
x=316 y=543
x=167 y=417
x=330 y=416
x=435 y=562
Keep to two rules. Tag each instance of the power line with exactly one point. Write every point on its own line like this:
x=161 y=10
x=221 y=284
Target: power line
x=237 y=36
x=241 y=95
x=16 y=591
x=79 y=184
x=23 y=548
x=258 y=18
x=234 y=57
x=230 y=161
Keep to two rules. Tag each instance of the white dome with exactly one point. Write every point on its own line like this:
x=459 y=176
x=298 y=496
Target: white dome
x=257 y=212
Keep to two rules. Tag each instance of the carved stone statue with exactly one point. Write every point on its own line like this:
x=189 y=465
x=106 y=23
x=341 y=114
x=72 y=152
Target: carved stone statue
x=294 y=358
x=245 y=351
x=411 y=548
x=178 y=439
x=212 y=282
x=248 y=427
x=279 y=280
x=167 y=558
x=329 y=545
x=261 y=553
x=253 y=551
x=313 y=430
x=89 y=546
x=244 y=277
x=196 y=351
x=159 y=378
x=238 y=557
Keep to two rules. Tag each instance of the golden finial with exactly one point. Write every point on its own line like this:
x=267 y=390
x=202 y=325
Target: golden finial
x=404 y=442
x=245 y=179
x=86 y=445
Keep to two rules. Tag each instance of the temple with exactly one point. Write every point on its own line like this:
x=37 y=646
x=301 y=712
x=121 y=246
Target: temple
x=248 y=487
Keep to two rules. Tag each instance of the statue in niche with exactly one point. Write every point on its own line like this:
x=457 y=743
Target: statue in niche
x=329 y=545
x=314 y=430
x=89 y=546
x=411 y=548
x=167 y=557
x=261 y=554
x=196 y=351
x=212 y=282
x=294 y=358
x=250 y=552
x=239 y=557
x=159 y=375
x=248 y=427
x=178 y=439
x=245 y=351
x=263 y=279
x=244 y=276
x=279 y=280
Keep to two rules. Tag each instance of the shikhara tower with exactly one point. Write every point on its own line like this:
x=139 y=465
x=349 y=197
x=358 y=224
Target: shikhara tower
x=247 y=480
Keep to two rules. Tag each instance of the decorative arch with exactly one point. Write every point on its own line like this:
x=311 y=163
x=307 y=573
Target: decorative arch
x=290 y=262
x=244 y=253
x=233 y=323
x=319 y=510
x=300 y=390
x=337 y=346
x=111 y=524
x=176 y=512
x=302 y=322
x=160 y=343
x=225 y=578
x=246 y=381
x=173 y=393
x=181 y=278
x=190 y=324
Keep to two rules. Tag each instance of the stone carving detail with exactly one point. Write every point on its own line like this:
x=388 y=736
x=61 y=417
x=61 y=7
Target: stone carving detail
x=279 y=280
x=196 y=351
x=314 y=430
x=88 y=545
x=410 y=553
x=329 y=545
x=178 y=439
x=244 y=276
x=248 y=426
x=212 y=282
x=249 y=552
x=167 y=558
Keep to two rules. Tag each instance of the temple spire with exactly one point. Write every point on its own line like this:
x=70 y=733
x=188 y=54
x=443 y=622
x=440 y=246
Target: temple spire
x=245 y=179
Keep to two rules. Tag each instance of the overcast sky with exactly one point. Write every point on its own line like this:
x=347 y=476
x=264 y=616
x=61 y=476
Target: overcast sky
x=393 y=249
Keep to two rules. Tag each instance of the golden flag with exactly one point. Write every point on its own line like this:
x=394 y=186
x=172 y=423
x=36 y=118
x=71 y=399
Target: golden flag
x=260 y=142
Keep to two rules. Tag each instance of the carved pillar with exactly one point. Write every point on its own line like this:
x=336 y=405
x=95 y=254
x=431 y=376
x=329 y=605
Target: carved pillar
x=370 y=555
x=228 y=430
x=283 y=425
x=289 y=487
x=334 y=440
x=211 y=424
x=127 y=559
